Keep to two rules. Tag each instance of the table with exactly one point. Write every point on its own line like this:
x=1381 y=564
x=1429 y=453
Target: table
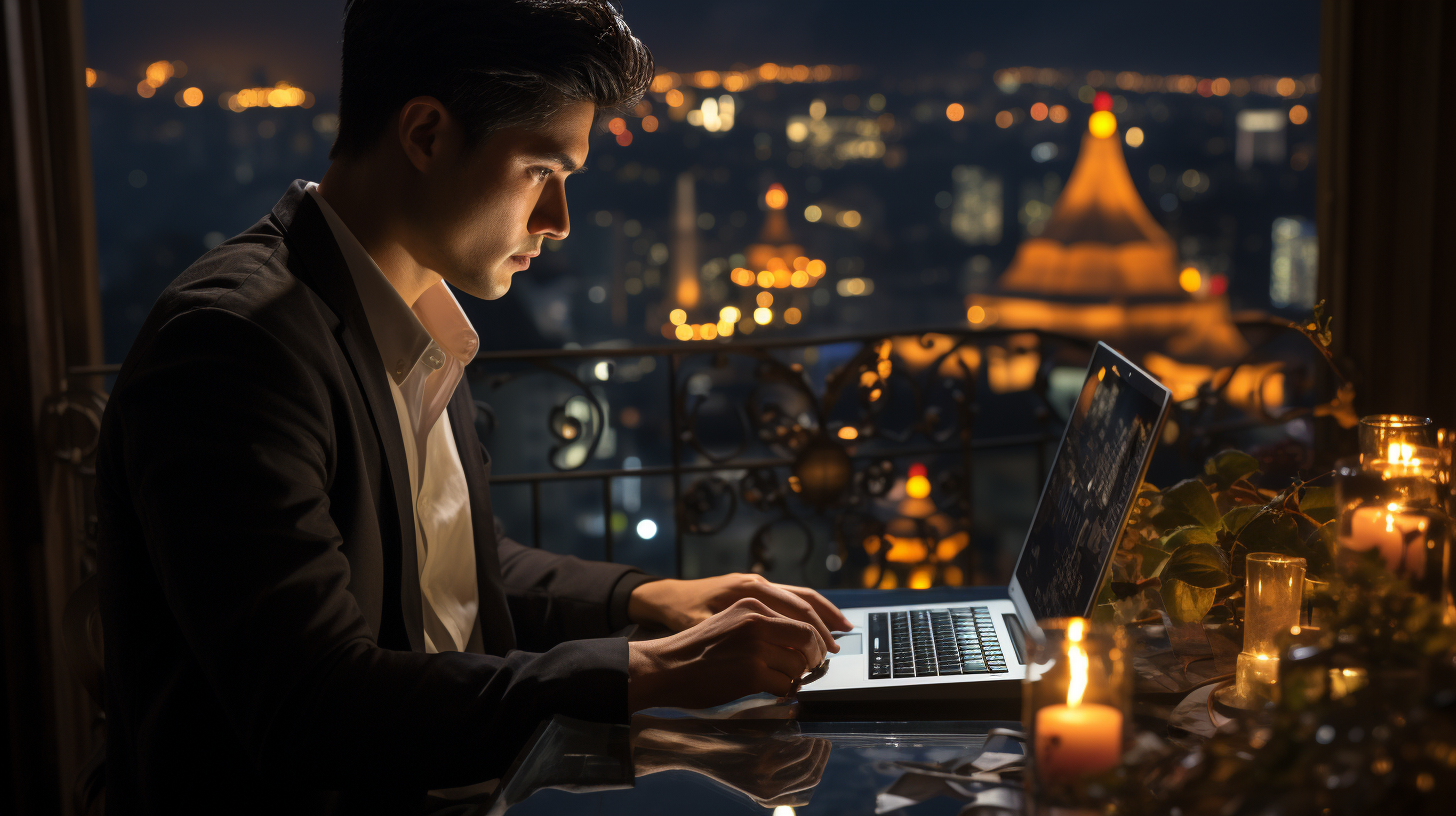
x=757 y=757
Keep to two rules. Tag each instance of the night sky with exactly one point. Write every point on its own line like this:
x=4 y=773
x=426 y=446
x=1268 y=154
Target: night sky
x=234 y=42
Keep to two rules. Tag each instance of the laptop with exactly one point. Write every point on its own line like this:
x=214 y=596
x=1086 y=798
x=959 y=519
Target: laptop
x=974 y=649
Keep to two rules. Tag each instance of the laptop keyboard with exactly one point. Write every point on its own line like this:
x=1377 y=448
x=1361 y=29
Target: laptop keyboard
x=933 y=642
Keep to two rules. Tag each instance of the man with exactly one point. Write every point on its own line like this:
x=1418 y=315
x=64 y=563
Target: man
x=307 y=603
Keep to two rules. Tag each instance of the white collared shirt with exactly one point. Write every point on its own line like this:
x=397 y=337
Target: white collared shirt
x=424 y=350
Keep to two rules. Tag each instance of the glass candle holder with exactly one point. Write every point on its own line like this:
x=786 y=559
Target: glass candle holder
x=1402 y=517
x=1076 y=705
x=1379 y=431
x=1272 y=603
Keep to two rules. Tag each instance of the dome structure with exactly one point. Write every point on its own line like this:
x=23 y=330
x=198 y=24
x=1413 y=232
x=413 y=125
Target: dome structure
x=1103 y=268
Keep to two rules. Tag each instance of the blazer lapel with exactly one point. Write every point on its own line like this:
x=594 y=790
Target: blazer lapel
x=308 y=235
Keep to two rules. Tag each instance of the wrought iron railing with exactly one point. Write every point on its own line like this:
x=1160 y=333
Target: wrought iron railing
x=819 y=435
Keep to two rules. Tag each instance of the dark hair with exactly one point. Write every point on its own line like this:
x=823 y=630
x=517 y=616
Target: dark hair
x=493 y=63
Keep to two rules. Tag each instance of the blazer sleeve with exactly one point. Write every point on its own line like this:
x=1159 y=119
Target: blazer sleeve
x=228 y=454
x=555 y=598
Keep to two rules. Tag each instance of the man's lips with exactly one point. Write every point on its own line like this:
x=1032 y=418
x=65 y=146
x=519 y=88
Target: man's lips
x=524 y=259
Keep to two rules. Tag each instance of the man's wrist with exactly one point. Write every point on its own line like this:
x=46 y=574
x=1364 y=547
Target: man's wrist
x=647 y=602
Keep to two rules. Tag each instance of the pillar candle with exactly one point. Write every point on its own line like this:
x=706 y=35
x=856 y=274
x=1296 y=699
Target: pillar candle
x=1072 y=740
x=1387 y=531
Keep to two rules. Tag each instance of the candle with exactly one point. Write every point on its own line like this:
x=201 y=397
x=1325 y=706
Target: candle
x=1399 y=537
x=1273 y=591
x=1077 y=738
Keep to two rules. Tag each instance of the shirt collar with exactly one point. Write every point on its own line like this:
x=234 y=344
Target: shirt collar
x=402 y=334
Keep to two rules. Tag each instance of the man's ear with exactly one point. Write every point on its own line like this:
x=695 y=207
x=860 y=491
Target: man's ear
x=425 y=128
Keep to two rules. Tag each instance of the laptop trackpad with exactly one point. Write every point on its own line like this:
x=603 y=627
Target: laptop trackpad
x=850 y=643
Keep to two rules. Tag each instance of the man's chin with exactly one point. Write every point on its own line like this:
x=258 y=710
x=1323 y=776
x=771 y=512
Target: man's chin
x=490 y=286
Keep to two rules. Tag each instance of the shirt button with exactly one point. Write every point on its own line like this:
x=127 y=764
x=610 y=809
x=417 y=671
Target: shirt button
x=399 y=368
x=435 y=358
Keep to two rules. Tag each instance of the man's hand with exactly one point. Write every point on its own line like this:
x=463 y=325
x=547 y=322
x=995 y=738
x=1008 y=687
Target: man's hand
x=746 y=649
x=678 y=605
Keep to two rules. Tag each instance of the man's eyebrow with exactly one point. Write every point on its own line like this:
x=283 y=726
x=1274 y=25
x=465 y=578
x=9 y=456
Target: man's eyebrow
x=566 y=162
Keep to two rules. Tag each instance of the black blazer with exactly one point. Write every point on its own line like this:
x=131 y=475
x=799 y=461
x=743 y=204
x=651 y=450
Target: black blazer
x=259 y=589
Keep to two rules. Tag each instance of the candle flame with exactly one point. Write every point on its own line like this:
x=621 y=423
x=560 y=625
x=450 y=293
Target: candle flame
x=1077 y=663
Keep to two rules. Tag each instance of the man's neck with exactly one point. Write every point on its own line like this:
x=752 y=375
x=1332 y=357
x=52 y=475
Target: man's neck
x=366 y=210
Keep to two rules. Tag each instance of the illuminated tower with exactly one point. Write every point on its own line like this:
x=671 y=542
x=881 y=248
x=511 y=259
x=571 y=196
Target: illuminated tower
x=685 y=285
x=1103 y=268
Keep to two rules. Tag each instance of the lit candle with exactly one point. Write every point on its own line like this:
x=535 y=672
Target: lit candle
x=1399 y=537
x=1273 y=590
x=1077 y=738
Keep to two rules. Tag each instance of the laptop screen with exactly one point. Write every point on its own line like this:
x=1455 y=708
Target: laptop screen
x=1102 y=458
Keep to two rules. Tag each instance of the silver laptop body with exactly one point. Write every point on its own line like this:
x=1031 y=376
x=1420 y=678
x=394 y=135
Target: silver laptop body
x=973 y=649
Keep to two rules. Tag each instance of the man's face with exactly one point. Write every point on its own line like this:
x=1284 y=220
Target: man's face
x=485 y=212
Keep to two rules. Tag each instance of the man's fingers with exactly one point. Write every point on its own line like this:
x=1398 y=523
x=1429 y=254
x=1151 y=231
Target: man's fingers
x=790 y=605
x=791 y=634
x=789 y=662
x=828 y=612
x=774 y=682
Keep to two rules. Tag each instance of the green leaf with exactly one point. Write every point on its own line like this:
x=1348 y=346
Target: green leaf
x=1318 y=503
x=1272 y=532
x=1235 y=519
x=1183 y=536
x=1200 y=565
x=1227 y=467
x=1152 y=559
x=1191 y=497
x=1167 y=521
x=1186 y=603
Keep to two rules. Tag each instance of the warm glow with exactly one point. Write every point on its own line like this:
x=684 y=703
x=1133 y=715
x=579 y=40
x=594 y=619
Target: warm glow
x=799 y=279
x=955 y=111
x=1039 y=111
x=1076 y=663
x=684 y=332
x=674 y=98
x=1134 y=137
x=90 y=77
x=678 y=317
x=1190 y=279
x=708 y=331
x=764 y=299
x=1298 y=115
x=145 y=91
x=976 y=314
x=192 y=96
x=725 y=328
x=730 y=314
x=1101 y=372
x=617 y=125
x=812 y=213
x=765 y=279
x=776 y=198
x=781 y=278
x=917 y=487
x=649 y=124
x=848 y=432
x=817 y=268
x=762 y=315
x=1286 y=87
x=1003 y=119
x=768 y=71
x=1058 y=113
x=1102 y=124
x=158 y=73
x=792 y=316
x=848 y=219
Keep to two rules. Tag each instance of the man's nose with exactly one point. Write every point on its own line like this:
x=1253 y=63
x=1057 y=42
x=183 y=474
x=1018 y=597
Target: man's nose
x=550 y=218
